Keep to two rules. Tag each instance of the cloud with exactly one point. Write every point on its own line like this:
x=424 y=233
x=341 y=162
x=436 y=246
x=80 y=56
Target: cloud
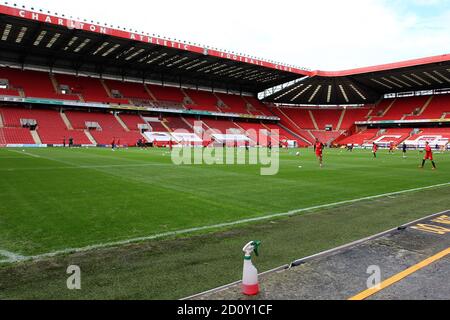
x=320 y=34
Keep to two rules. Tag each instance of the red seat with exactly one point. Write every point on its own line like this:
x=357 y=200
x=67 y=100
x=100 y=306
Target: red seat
x=169 y=94
x=34 y=84
x=91 y=89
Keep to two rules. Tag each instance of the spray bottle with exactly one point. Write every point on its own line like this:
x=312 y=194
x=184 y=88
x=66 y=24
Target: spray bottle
x=250 y=285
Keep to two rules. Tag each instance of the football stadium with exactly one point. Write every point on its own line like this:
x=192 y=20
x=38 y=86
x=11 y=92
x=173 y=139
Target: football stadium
x=137 y=167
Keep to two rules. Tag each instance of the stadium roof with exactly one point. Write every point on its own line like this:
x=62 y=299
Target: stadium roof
x=35 y=37
x=367 y=85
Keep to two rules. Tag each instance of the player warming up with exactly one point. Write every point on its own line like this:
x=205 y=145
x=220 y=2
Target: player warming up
x=391 y=148
x=428 y=156
x=375 y=150
x=318 y=148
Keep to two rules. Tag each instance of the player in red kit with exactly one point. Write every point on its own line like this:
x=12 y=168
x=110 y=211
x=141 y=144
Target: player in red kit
x=428 y=156
x=391 y=147
x=375 y=150
x=318 y=147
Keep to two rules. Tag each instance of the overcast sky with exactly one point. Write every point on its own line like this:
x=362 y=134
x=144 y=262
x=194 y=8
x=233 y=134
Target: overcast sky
x=317 y=34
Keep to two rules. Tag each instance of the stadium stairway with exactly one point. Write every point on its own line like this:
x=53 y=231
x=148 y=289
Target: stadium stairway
x=124 y=126
x=144 y=121
x=379 y=109
x=21 y=92
x=36 y=138
x=187 y=123
x=221 y=105
x=255 y=106
x=250 y=108
x=422 y=110
x=150 y=93
x=1 y=121
x=240 y=127
x=388 y=108
x=90 y=137
x=425 y=107
x=294 y=125
x=313 y=120
x=108 y=91
x=312 y=135
x=80 y=96
x=187 y=99
x=164 y=123
x=289 y=118
x=341 y=119
x=295 y=134
x=202 y=100
x=66 y=121
x=54 y=82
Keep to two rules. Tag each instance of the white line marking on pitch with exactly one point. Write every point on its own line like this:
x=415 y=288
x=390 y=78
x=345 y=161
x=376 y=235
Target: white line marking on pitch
x=25 y=153
x=14 y=257
x=218 y=226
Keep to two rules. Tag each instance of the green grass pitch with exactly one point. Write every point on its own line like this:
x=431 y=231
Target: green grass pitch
x=53 y=199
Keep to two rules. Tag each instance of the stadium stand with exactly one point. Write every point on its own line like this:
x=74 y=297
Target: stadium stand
x=402 y=107
x=104 y=127
x=444 y=132
x=324 y=118
x=177 y=123
x=381 y=108
x=129 y=90
x=353 y=115
x=437 y=107
x=157 y=126
x=300 y=120
x=91 y=89
x=326 y=137
x=221 y=125
x=9 y=92
x=15 y=136
x=259 y=128
x=132 y=121
x=285 y=135
x=300 y=124
x=257 y=107
x=298 y=117
x=233 y=103
x=310 y=124
x=360 y=138
x=34 y=84
x=395 y=136
x=202 y=100
x=79 y=137
x=50 y=126
x=170 y=94
x=192 y=121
